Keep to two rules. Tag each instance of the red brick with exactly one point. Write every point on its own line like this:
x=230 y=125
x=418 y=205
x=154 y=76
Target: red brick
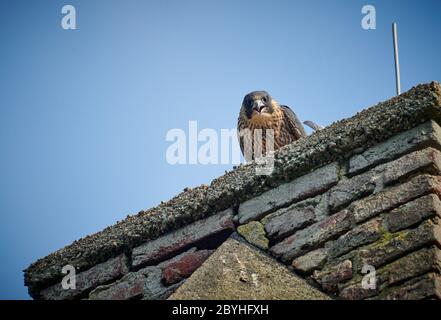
x=414 y=264
x=428 y=133
x=424 y=287
x=357 y=292
x=363 y=234
x=168 y=245
x=395 y=196
x=292 y=219
x=347 y=190
x=413 y=212
x=311 y=237
x=306 y=186
x=398 y=244
x=177 y=270
x=331 y=277
x=89 y=279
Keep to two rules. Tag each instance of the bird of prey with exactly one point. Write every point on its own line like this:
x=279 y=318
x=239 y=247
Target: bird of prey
x=260 y=112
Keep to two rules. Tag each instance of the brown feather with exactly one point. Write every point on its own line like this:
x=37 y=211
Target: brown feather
x=287 y=128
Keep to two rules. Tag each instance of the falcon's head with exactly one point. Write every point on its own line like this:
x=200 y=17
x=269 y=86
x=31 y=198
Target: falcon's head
x=258 y=104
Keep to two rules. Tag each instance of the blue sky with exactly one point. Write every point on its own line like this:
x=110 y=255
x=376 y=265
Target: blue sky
x=84 y=113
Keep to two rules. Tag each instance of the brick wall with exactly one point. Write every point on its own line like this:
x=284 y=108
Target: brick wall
x=362 y=193
x=380 y=208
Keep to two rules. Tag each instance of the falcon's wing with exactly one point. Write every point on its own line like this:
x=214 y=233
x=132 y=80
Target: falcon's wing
x=293 y=123
x=241 y=126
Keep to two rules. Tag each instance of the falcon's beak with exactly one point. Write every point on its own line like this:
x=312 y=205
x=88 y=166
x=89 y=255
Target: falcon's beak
x=258 y=105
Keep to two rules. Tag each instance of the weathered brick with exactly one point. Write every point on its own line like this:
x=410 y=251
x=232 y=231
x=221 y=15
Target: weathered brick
x=414 y=264
x=131 y=286
x=255 y=234
x=393 y=246
x=303 y=187
x=181 y=239
x=426 y=286
x=286 y=223
x=89 y=279
x=144 y=284
x=347 y=190
x=413 y=212
x=163 y=294
x=311 y=237
x=177 y=257
x=311 y=261
x=363 y=234
x=393 y=197
x=177 y=269
x=427 y=160
x=408 y=267
x=330 y=278
x=357 y=292
x=427 y=134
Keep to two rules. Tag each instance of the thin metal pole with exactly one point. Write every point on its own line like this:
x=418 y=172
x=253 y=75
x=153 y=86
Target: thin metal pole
x=397 y=61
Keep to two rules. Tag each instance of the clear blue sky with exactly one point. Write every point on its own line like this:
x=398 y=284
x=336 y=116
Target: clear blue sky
x=84 y=113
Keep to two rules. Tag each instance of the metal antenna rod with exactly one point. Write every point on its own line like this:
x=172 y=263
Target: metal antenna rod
x=397 y=61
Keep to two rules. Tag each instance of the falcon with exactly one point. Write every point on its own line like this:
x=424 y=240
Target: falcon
x=259 y=113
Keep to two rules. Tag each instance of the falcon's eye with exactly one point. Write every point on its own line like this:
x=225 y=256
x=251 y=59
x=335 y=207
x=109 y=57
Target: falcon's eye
x=264 y=99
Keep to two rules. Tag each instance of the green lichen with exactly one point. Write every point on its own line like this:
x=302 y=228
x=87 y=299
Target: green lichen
x=254 y=233
x=387 y=237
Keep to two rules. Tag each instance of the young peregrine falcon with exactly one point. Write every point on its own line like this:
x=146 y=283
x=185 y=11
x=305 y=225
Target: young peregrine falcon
x=260 y=111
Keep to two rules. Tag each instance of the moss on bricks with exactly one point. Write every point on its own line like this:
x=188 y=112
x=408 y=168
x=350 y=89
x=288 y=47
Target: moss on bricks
x=254 y=233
